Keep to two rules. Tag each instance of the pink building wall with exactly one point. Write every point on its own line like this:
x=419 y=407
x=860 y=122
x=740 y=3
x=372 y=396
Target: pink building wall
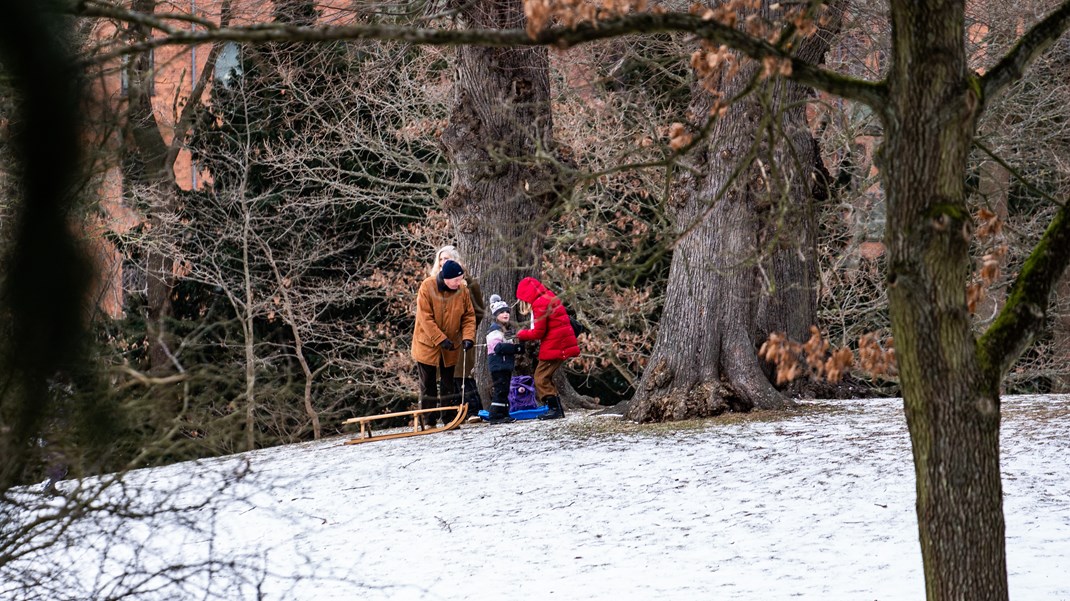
x=176 y=69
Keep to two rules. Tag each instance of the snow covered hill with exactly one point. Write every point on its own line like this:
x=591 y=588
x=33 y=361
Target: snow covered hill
x=818 y=505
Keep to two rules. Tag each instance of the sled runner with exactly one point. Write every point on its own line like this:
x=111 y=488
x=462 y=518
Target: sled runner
x=367 y=423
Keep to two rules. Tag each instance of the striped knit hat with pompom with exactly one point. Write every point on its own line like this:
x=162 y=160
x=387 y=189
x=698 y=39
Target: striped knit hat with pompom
x=497 y=305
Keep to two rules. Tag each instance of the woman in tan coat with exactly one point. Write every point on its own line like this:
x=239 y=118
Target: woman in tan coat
x=465 y=381
x=445 y=325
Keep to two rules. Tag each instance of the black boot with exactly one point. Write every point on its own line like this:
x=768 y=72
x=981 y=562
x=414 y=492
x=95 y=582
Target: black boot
x=499 y=414
x=470 y=398
x=557 y=411
x=428 y=419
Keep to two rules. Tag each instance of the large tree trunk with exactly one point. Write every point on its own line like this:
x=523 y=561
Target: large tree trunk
x=152 y=160
x=707 y=328
x=500 y=144
x=952 y=402
x=745 y=264
x=46 y=271
x=148 y=167
x=790 y=302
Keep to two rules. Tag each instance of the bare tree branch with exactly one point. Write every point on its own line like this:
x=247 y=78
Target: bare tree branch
x=1013 y=65
x=802 y=71
x=1022 y=318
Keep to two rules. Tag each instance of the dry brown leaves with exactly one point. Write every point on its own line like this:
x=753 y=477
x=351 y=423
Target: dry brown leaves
x=818 y=358
x=772 y=65
x=716 y=64
x=989 y=233
x=541 y=14
x=713 y=65
x=679 y=137
x=876 y=357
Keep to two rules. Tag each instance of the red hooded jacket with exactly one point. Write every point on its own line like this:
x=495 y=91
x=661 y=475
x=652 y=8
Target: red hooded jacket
x=551 y=323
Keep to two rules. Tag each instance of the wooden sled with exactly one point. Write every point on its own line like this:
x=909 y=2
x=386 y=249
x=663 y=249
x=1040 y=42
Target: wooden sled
x=418 y=429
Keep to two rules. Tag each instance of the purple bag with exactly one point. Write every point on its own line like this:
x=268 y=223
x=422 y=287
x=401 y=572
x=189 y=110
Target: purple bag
x=522 y=393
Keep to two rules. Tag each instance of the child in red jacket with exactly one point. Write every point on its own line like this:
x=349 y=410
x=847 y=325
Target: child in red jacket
x=550 y=325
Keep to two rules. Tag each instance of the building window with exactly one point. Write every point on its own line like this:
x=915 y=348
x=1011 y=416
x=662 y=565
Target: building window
x=228 y=64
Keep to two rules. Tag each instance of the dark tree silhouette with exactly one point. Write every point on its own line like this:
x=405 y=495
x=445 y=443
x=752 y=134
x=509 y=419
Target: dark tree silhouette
x=46 y=272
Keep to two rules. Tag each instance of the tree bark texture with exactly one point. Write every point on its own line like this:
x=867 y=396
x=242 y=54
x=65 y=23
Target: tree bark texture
x=706 y=333
x=745 y=264
x=951 y=401
x=789 y=304
x=506 y=178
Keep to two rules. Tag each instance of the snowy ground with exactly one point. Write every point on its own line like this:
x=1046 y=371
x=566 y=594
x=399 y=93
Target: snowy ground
x=819 y=505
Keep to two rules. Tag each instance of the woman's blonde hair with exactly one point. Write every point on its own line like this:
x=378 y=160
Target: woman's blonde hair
x=451 y=253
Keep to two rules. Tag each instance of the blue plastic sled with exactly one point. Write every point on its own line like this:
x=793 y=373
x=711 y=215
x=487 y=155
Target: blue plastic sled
x=519 y=413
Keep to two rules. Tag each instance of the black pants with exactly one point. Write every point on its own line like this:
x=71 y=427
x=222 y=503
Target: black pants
x=470 y=394
x=500 y=398
x=436 y=389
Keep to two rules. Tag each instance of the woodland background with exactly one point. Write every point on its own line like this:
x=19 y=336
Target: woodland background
x=273 y=297
x=214 y=217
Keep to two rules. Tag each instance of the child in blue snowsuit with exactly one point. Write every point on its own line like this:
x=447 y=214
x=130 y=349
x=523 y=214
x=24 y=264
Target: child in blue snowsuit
x=501 y=358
